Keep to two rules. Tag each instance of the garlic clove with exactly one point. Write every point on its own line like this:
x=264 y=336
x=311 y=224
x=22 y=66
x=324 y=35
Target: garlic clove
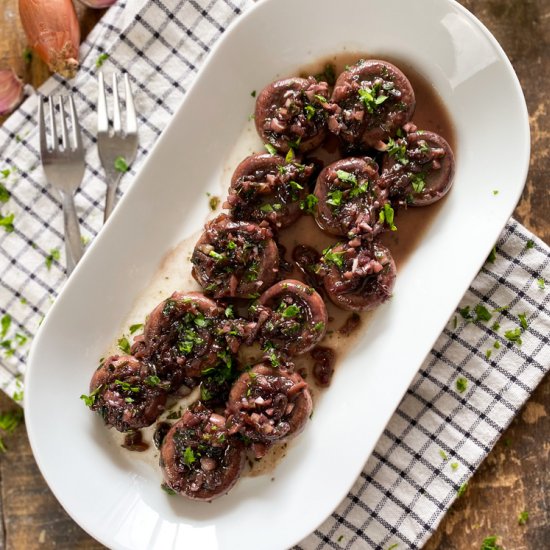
x=11 y=91
x=98 y=4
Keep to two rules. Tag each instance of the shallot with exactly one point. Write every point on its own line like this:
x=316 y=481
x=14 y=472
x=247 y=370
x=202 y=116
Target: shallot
x=53 y=32
x=11 y=91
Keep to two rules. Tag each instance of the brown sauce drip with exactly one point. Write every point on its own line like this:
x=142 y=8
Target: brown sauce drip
x=133 y=441
x=323 y=367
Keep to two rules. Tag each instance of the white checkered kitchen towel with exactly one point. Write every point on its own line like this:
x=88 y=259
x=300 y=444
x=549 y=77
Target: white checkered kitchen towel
x=470 y=386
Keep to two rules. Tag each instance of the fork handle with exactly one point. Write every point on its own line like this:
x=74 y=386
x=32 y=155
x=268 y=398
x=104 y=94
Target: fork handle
x=73 y=242
x=110 y=198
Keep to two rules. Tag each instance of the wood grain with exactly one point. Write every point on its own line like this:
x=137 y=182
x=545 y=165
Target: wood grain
x=515 y=476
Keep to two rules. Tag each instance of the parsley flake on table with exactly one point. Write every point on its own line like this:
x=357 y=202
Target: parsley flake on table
x=393 y=546
x=443 y=454
x=54 y=254
x=461 y=384
x=7 y=223
x=5 y=324
x=101 y=59
x=488 y=353
x=496 y=326
x=522 y=321
x=9 y=420
x=168 y=490
x=454 y=466
x=514 y=336
x=496 y=345
x=4 y=194
x=490 y=543
x=214 y=202
x=340 y=538
x=492 y=255
x=462 y=489
x=121 y=165
x=523 y=517
x=495 y=192
x=529 y=244
x=482 y=313
x=541 y=282
x=253 y=93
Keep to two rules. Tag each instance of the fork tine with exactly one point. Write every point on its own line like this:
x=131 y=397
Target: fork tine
x=131 y=119
x=117 y=126
x=102 y=116
x=42 y=126
x=52 y=124
x=77 y=134
x=64 y=138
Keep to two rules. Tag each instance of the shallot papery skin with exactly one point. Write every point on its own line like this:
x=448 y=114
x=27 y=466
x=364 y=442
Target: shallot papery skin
x=11 y=91
x=53 y=32
x=98 y=4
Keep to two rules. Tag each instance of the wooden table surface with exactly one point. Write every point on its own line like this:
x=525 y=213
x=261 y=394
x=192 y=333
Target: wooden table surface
x=516 y=474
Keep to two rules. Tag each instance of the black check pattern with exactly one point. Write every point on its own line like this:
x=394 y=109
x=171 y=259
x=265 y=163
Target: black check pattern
x=438 y=435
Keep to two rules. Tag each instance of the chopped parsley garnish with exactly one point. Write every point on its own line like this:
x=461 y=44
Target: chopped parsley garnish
x=128 y=400
x=541 y=282
x=334 y=257
x=318 y=327
x=295 y=185
x=152 y=380
x=529 y=244
x=121 y=165
x=522 y=321
x=89 y=400
x=387 y=216
x=168 y=490
x=418 y=182
x=188 y=456
x=135 y=328
x=216 y=255
x=523 y=517
x=291 y=311
x=53 y=255
x=310 y=111
x=462 y=489
x=214 y=202
x=4 y=194
x=289 y=156
x=334 y=197
x=124 y=345
x=370 y=98
x=201 y=321
x=266 y=208
x=320 y=98
x=490 y=543
x=126 y=386
x=514 y=335
x=461 y=384
x=169 y=306
x=397 y=151
x=229 y=312
x=346 y=177
x=492 y=255
x=309 y=203
x=328 y=75
x=253 y=93
x=101 y=59
x=7 y=223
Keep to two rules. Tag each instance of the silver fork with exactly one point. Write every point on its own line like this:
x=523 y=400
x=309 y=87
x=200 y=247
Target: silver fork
x=116 y=144
x=64 y=168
